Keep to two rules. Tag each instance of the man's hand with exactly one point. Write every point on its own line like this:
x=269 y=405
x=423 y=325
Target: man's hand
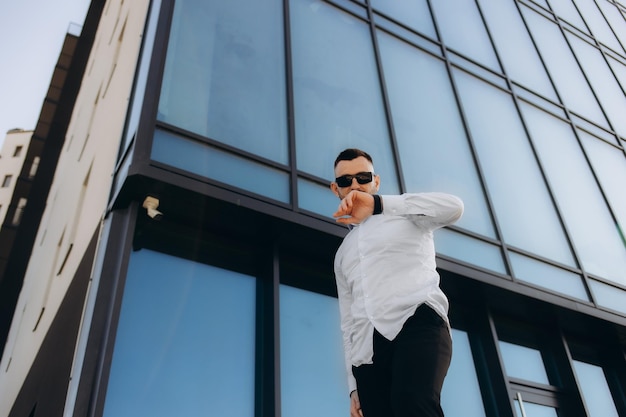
x=355 y=405
x=355 y=207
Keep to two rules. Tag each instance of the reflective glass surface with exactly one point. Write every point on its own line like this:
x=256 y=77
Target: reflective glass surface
x=523 y=362
x=603 y=82
x=432 y=144
x=585 y=213
x=596 y=21
x=609 y=164
x=224 y=74
x=595 y=390
x=566 y=11
x=515 y=47
x=619 y=70
x=563 y=68
x=338 y=100
x=616 y=22
x=461 y=393
x=413 y=14
x=462 y=30
x=316 y=198
x=534 y=410
x=548 y=276
x=210 y=162
x=469 y=249
x=523 y=206
x=608 y=296
x=313 y=373
x=185 y=341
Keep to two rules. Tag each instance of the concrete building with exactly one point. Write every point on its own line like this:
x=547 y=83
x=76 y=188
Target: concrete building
x=183 y=262
x=12 y=159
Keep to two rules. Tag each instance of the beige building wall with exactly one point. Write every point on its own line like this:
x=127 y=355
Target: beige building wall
x=80 y=189
x=12 y=157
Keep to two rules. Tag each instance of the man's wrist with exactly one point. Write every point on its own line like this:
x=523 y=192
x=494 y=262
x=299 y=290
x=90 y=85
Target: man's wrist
x=378 y=204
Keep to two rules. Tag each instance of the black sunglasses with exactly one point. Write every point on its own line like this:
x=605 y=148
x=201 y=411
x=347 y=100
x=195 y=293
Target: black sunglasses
x=361 y=178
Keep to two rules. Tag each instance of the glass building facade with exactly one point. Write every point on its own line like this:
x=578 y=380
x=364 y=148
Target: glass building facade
x=227 y=306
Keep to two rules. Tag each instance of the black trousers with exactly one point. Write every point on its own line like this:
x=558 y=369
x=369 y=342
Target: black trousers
x=407 y=373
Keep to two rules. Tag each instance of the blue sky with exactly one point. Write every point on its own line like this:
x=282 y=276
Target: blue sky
x=31 y=36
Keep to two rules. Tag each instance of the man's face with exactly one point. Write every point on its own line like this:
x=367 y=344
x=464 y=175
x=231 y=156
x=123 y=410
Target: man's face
x=353 y=167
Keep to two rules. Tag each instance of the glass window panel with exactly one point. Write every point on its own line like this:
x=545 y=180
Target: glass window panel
x=597 y=23
x=619 y=70
x=316 y=198
x=462 y=29
x=616 y=21
x=595 y=390
x=185 y=341
x=460 y=395
x=210 y=162
x=432 y=143
x=469 y=249
x=597 y=240
x=523 y=363
x=566 y=74
x=548 y=276
x=313 y=373
x=608 y=296
x=535 y=410
x=522 y=203
x=338 y=100
x=224 y=74
x=414 y=14
x=565 y=10
x=609 y=164
x=515 y=47
x=603 y=82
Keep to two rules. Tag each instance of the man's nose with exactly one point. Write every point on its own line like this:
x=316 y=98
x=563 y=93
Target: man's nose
x=355 y=184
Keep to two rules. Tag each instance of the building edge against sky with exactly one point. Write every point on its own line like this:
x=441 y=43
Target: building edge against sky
x=209 y=108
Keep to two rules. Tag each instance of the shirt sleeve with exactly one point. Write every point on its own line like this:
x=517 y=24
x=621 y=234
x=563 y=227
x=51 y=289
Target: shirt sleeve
x=437 y=209
x=345 y=301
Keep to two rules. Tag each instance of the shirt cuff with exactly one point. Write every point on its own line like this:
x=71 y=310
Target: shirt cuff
x=393 y=204
x=351 y=384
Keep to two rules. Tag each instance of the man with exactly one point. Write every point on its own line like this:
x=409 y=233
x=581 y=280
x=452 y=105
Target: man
x=393 y=314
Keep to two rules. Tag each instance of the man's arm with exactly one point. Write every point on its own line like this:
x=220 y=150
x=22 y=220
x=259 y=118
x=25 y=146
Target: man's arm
x=437 y=209
x=440 y=209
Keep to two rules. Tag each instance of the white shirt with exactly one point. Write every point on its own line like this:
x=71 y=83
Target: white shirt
x=385 y=268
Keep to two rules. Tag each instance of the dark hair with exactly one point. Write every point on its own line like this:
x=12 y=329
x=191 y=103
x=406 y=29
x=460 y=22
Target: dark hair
x=352 y=153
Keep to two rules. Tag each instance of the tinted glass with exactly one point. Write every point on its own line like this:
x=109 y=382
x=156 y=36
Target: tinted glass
x=433 y=146
x=414 y=14
x=462 y=29
x=548 y=276
x=562 y=66
x=185 y=341
x=603 y=82
x=313 y=373
x=609 y=164
x=523 y=362
x=596 y=21
x=469 y=249
x=534 y=410
x=595 y=390
x=586 y=215
x=210 y=162
x=518 y=191
x=461 y=393
x=224 y=74
x=515 y=47
x=338 y=100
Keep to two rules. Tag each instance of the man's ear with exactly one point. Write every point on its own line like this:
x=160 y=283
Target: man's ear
x=334 y=189
x=377 y=182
